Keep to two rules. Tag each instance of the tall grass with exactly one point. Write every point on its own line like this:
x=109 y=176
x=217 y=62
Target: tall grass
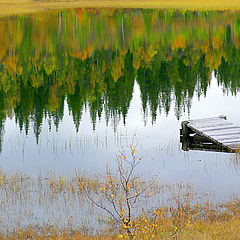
x=56 y=207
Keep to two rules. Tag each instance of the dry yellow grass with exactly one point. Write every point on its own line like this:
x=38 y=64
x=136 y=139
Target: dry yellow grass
x=198 y=230
x=49 y=234
x=11 y=7
x=217 y=230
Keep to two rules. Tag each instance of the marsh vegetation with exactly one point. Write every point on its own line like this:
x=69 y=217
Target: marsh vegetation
x=51 y=206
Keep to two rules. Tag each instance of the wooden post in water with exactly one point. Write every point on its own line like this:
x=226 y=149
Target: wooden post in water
x=185 y=131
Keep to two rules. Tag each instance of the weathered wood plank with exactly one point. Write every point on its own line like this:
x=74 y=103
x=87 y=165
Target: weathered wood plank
x=205 y=119
x=213 y=125
x=224 y=135
x=216 y=127
x=218 y=130
x=223 y=132
x=233 y=138
x=237 y=140
x=208 y=121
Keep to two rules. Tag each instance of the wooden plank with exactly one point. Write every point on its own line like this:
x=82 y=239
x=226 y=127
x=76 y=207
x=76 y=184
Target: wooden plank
x=218 y=131
x=223 y=132
x=226 y=136
x=213 y=124
x=223 y=136
x=237 y=140
x=209 y=119
x=218 y=128
x=206 y=121
x=219 y=135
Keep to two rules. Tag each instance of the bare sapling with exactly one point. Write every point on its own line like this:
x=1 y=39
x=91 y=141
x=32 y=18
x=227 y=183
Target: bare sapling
x=122 y=191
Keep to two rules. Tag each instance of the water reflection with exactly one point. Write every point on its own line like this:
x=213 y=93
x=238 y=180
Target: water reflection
x=73 y=80
x=92 y=57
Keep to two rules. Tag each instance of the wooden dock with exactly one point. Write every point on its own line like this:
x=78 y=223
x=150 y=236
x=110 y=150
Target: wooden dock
x=211 y=134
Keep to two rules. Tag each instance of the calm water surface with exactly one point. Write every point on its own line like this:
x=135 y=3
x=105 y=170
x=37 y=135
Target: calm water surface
x=77 y=86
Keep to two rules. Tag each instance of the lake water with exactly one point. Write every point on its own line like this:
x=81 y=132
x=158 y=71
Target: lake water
x=78 y=86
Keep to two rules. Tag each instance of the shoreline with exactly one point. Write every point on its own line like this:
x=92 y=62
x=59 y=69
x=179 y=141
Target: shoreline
x=28 y=7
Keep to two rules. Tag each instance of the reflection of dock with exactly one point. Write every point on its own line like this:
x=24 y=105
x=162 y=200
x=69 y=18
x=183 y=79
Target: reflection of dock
x=210 y=134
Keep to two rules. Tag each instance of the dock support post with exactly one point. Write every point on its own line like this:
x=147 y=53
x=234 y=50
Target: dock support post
x=185 y=131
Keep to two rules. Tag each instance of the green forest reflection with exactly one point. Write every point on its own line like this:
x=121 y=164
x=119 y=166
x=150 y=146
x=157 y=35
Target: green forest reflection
x=92 y=58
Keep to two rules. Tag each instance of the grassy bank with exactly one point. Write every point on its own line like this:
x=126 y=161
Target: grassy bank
x=198 y=223
x=198 y=230
x=12 y=7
